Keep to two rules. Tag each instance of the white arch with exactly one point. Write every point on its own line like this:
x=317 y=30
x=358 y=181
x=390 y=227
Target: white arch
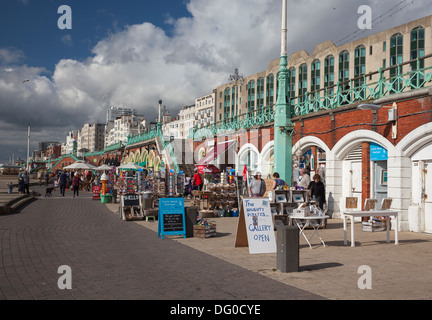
x=353 y=139
x=244 y=150
x=416 y=139
x=307 y=142
x=268 y=148
x=265 y=158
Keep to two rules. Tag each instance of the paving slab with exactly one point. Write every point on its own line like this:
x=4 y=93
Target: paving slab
x=398 y=271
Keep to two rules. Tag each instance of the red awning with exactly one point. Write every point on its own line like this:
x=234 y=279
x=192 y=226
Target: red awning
x=212 y=154
x=208 y=169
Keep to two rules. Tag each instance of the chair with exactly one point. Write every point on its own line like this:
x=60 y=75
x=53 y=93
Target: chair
x=386 y=203
x=351 y=203
x=370 y=204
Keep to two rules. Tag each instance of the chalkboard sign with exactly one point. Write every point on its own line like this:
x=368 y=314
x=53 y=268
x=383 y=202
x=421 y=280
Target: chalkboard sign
x=131 y=200
x=171 y=217
x=173 y=222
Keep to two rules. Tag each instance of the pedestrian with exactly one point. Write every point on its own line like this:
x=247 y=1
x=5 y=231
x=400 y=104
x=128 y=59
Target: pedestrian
x=317 y=191
x=76 y=181
x=10 y=187
x=26 y=179
x=39 y=177
x=257 y=187
x=47 y=178
x=62 y=183
x=278 y=183
x=187 y=185
x=197 y=182
x=305 y=179
x=21 y=185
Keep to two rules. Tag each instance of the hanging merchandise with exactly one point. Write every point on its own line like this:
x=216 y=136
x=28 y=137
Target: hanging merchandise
x=180 y=183
x=171 y=179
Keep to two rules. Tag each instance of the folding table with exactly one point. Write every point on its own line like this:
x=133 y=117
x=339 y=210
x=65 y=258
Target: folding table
x=303 y=222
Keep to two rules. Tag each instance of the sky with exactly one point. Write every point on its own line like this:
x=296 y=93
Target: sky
x=131 y=53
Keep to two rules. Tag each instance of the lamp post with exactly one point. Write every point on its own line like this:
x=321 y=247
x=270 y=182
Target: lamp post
x=236 y=78
x=28 y=148
x=283 y=127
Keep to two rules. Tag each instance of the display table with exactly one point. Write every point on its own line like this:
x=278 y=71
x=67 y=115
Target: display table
x=309 y=221
x=372 y=213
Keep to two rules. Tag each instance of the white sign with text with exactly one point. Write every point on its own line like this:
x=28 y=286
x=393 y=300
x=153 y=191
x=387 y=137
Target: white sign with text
x=259 y=226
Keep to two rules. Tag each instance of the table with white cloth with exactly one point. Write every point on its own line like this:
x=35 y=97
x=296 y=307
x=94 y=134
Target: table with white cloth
x=372 y=213
x=314 y=221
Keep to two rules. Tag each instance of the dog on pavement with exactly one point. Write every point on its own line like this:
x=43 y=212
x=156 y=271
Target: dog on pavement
x=48 y=192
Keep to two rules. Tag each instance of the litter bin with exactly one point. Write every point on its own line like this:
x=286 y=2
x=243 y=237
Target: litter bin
x=288 y=249
x=106 y=199
x=190 y=220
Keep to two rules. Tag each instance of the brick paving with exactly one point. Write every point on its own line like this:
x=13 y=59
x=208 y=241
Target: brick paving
x=398 y=271
x=112 y=259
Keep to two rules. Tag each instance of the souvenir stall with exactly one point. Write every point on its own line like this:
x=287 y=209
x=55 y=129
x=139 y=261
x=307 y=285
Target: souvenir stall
x=291 y=202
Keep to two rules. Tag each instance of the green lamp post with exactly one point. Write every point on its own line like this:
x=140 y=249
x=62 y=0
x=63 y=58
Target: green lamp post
x=283 y=127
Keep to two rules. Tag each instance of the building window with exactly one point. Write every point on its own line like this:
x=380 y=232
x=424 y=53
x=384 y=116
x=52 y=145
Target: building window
x=359 y=65
x=396 y=51
x=329 y=74
x=227 y=103
x=260 y=95
x=234 y=97
x=302 y=82
x=291 y=83
x=270 y=90
x=315 y=76
x=251 y=96
x=344 y=66
x=417 y=51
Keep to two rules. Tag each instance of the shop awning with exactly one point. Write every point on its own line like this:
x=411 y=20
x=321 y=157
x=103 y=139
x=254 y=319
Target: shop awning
x=212 y=155
x=208 y=169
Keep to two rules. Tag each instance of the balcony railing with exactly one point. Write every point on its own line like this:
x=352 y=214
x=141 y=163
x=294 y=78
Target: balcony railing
x=389 y=81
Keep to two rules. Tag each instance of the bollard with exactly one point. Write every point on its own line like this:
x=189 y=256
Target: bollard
x=288 y=250
x=190 y=220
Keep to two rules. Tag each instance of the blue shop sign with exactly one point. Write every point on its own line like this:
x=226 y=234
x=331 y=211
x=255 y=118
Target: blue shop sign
x=378 y=153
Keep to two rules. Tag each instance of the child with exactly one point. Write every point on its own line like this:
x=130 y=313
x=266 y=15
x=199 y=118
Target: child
x=10 y=187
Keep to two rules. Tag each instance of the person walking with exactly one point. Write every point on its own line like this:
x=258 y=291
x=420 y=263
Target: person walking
x=76 y=184
x=62 y=183
x=21 y=185
x=257 y=187
x=197 y=183
x=26 y=179
x=10 y=188
x=47 y=178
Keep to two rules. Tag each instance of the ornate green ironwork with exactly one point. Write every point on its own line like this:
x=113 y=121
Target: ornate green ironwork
x=114 y=146
x=343 y=93
x=328 y=98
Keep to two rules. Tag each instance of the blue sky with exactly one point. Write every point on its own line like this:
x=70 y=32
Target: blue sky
x=31 y=25
x=132 y=53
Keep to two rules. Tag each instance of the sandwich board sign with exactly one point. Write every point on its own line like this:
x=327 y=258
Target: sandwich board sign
x=171 y=217
x=255 y=228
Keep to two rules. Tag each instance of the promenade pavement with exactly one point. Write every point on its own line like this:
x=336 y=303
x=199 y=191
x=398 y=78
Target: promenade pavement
x=398 y=271
x=114 y=259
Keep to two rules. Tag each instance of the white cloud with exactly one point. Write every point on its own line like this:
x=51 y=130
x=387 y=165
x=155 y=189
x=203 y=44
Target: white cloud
x=141 y=64
x=11 y=56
